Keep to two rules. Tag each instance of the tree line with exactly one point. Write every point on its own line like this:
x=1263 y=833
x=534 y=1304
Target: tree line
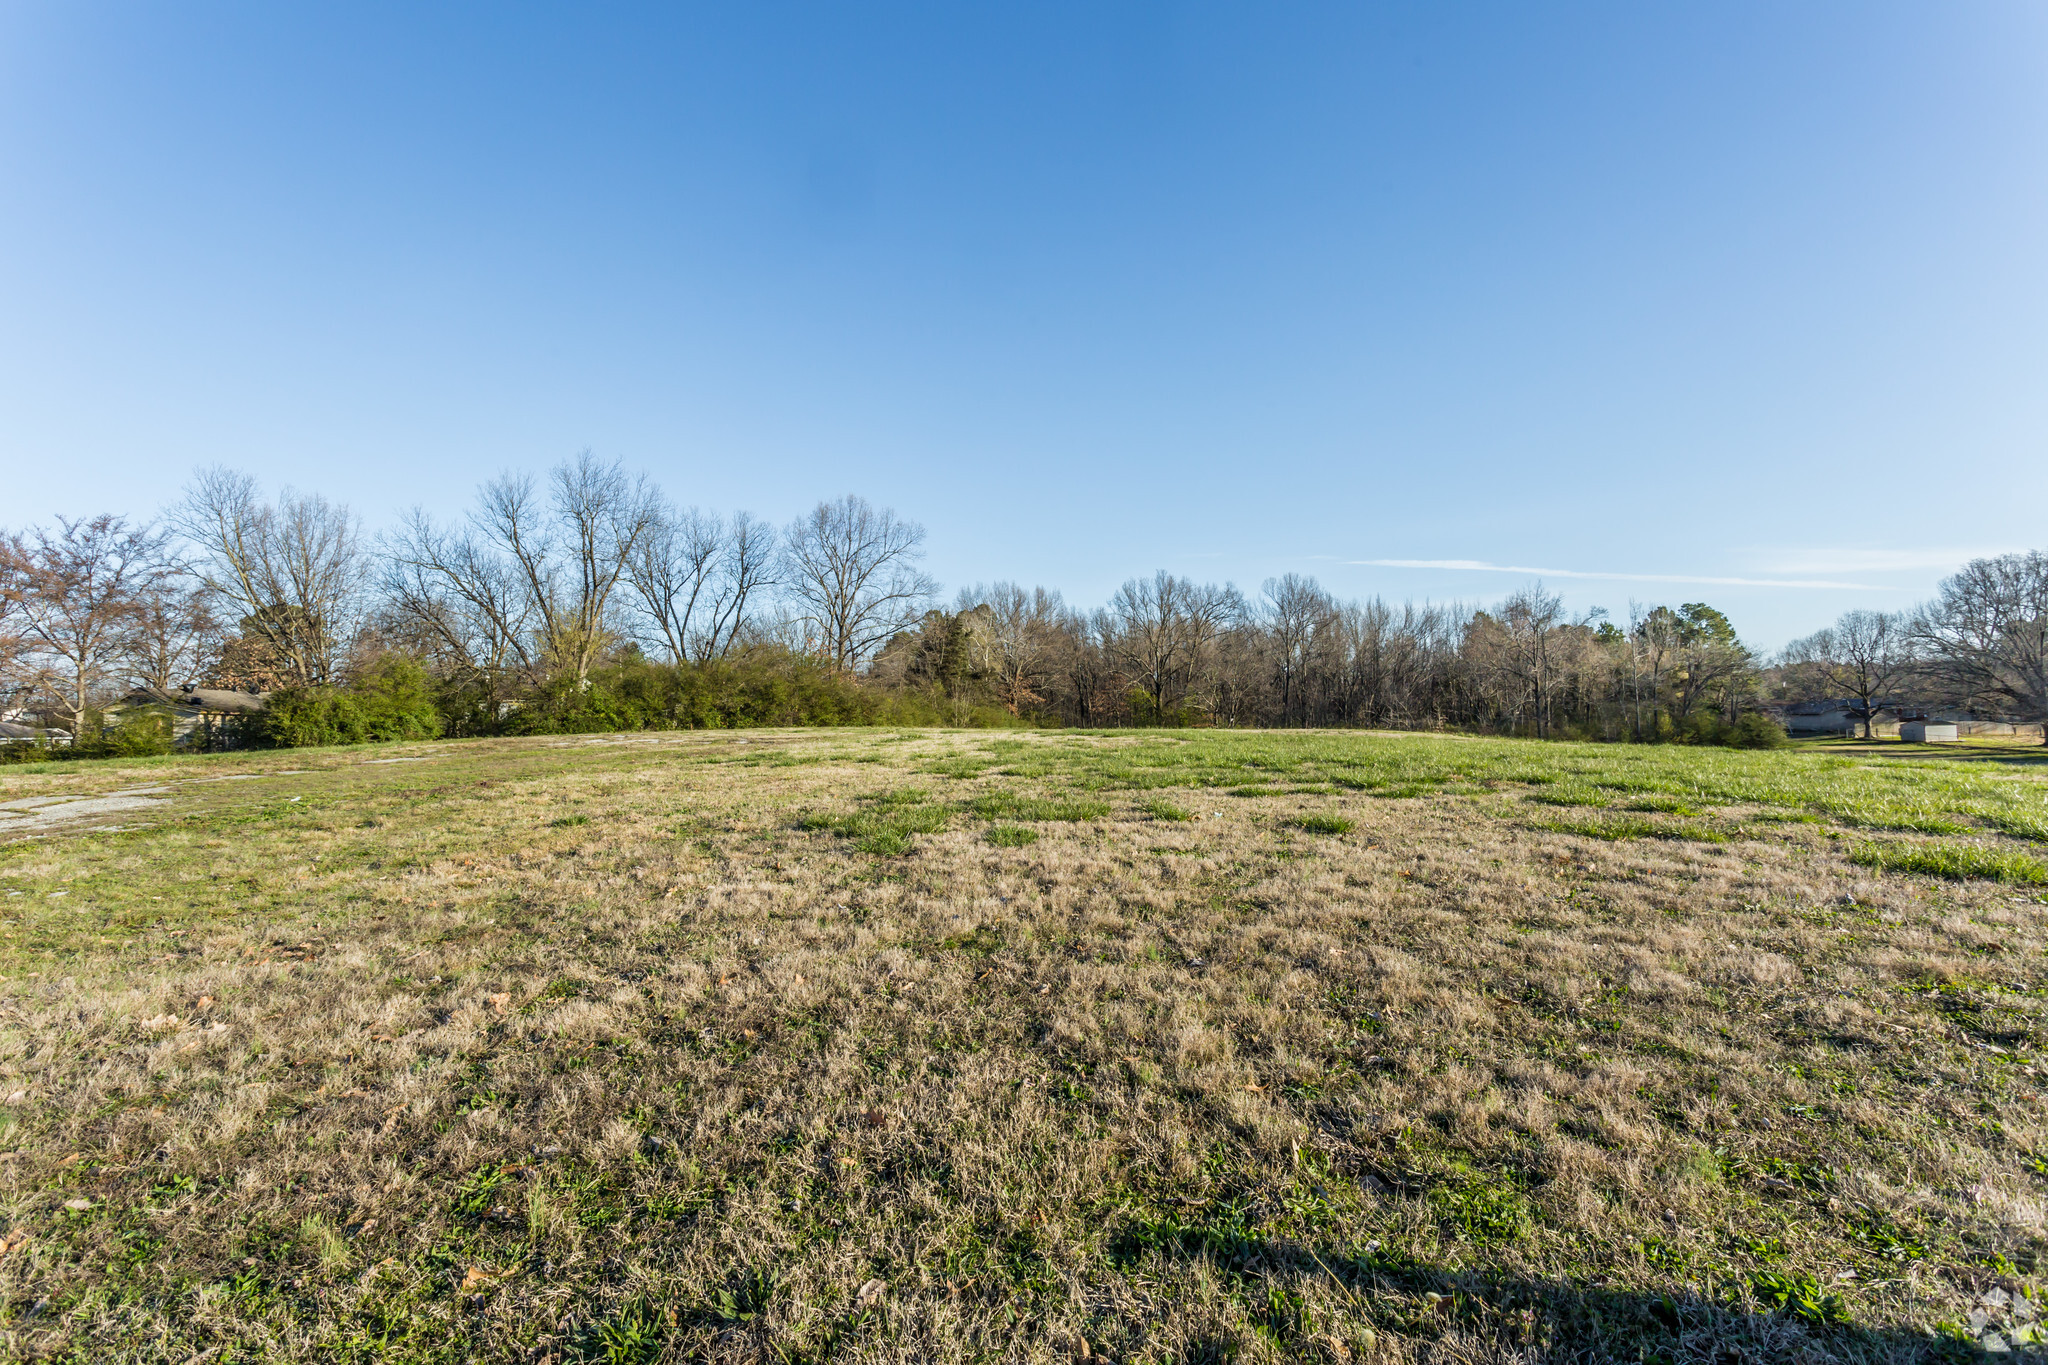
x=586 y=599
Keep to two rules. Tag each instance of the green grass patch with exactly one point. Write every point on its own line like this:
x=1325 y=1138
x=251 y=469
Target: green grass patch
x=1567 y=796
x=1661 y=805
x=1957 y=862
x=1613 y=827
x=1322 y=824
x=2020 y=824
x=886 y=823
x=1011 y=806
x=1011 y=836
x=1486 y=1207
x=1159 y=808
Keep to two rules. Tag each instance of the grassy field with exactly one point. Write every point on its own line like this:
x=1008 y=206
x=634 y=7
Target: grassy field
x=795 y=1046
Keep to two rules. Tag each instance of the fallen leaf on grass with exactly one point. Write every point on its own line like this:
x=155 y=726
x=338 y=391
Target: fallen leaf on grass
x=500 y=1001
x=868 y=1294
x=78 y=1205
x=477 y=1278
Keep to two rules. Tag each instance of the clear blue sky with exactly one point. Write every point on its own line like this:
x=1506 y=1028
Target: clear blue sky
x=1731 y=291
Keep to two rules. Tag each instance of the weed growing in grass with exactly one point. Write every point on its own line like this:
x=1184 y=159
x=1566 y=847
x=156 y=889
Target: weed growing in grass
x=1954 y=861
x=630 y=1335
x=1487 y=1207
x=1011 y=836
x=1800 y=1296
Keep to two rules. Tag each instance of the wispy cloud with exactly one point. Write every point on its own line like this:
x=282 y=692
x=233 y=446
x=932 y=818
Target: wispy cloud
x=1481 y=566
x=1823 y=560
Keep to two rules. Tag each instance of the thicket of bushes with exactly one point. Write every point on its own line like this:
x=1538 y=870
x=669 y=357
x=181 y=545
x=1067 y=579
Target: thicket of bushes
x=398 y=700
x=759 y=687
x=391 y=700
x=142 y=732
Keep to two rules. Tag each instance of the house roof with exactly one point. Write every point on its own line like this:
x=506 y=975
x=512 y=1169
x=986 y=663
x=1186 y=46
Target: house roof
x=220 y=699
x=1830 y=705
x=200 y=698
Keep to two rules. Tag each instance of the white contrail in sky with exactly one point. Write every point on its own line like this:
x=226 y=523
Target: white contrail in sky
x=1481 y=566
x=1869 y=561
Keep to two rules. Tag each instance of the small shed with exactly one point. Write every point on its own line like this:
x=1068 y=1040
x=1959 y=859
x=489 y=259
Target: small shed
x=1929 y=732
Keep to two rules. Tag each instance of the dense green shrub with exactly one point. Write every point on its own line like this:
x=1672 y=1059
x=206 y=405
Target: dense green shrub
x=1754 y=730
x=1750 y=730
x=135 y=732
x=391 y=700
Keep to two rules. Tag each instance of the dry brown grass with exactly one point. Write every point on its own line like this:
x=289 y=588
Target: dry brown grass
x=632 y=1051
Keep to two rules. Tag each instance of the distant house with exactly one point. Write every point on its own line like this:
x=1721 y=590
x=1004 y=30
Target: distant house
x=201 y=716
x=1838 y=716
x=1842 y=716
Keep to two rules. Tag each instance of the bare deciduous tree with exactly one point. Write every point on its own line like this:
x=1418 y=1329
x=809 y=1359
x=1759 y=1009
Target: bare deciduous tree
x=1865 y=656
x=852 y=570
x=1516 y=644
x=696 y=575
x=1022 y=627
x=293 y=572
x=570 y=552
x=1985 y=638
x=467 y=604
x=749 y=564
x=1297 y=611
x=1166 y=627
x=671 y=570
x=175 y=633
x=77 y=594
